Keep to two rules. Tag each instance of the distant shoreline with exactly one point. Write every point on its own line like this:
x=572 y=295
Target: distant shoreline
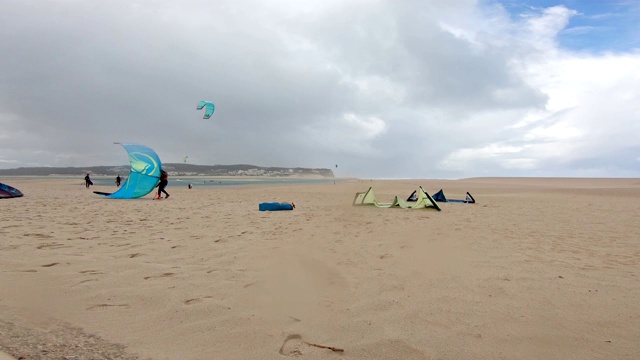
x=103 y=182
x=174 y=169
x=179 y=177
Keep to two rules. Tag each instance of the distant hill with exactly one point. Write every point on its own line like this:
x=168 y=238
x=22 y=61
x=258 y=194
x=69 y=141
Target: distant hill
x=173 y=169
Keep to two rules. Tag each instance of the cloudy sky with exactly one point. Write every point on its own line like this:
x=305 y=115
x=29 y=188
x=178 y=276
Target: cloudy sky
x=384 y=89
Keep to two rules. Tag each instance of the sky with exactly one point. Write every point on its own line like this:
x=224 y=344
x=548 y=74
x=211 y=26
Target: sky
x=382 y=89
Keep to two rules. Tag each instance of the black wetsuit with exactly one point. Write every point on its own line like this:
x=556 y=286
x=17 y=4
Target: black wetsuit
x=163 y=184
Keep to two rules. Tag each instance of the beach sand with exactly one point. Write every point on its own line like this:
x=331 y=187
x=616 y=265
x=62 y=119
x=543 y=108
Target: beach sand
x=536 y=269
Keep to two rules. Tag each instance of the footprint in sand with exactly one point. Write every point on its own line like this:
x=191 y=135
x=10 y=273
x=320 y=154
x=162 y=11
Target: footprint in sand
x=50 y=265
x=53 y=245
x=291 y=346
x=131 y=256
x=119 y=245
x=196 y=300
x=38 y=235
x=159 y=276
x=84 y=281
x=102 y=306
x=91 y=272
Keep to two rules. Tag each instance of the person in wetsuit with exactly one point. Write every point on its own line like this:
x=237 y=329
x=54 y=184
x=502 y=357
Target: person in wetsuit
x=118 y=179
x=164 y=181
x=87 y=181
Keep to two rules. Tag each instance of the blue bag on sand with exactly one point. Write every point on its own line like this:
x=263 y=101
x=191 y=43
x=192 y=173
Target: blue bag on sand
x=275 y=206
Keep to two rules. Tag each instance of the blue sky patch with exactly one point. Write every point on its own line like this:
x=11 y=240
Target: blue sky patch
x=599 y=26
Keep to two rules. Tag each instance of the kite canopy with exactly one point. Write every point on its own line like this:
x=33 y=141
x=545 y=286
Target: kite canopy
x=439 y=196
x=209 y=108
x=144 y=174
x=423 y=201
x=7 y=192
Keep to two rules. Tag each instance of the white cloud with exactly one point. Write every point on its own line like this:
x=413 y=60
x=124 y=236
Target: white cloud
x=379 y=85
x=369 y=127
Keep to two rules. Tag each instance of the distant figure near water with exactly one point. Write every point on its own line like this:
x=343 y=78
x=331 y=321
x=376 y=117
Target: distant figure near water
x=118 y=179
x=87 y=181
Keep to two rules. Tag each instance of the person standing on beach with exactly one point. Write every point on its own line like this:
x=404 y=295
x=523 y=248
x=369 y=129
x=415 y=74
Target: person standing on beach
x=118 y=179
x=164 y=181
x=87 y=181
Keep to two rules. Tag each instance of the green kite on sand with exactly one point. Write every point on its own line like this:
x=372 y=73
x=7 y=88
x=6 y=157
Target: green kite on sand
x=423 y=201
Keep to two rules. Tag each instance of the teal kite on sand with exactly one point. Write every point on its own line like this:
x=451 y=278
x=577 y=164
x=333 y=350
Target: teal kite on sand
x=209 y=108
x=144 y=174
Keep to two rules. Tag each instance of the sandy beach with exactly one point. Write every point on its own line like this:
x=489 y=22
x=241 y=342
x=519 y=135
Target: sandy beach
x=536 y=269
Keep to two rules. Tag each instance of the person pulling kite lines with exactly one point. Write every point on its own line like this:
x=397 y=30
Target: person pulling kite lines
x=164 y=181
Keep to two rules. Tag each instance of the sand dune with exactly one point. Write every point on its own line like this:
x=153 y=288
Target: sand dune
x=536 y=269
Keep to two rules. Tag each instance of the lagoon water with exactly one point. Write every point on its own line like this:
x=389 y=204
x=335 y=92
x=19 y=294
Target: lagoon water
x=198 y=181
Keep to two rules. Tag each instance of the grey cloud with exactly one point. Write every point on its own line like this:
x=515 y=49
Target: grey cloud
x=284 y=76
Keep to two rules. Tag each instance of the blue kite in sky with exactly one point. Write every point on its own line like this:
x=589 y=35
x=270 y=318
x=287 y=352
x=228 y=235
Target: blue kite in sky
x=209 y=108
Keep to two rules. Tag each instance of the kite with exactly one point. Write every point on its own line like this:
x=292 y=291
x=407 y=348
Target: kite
x=209 y=108
x=7 y=192
x=144 y=174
